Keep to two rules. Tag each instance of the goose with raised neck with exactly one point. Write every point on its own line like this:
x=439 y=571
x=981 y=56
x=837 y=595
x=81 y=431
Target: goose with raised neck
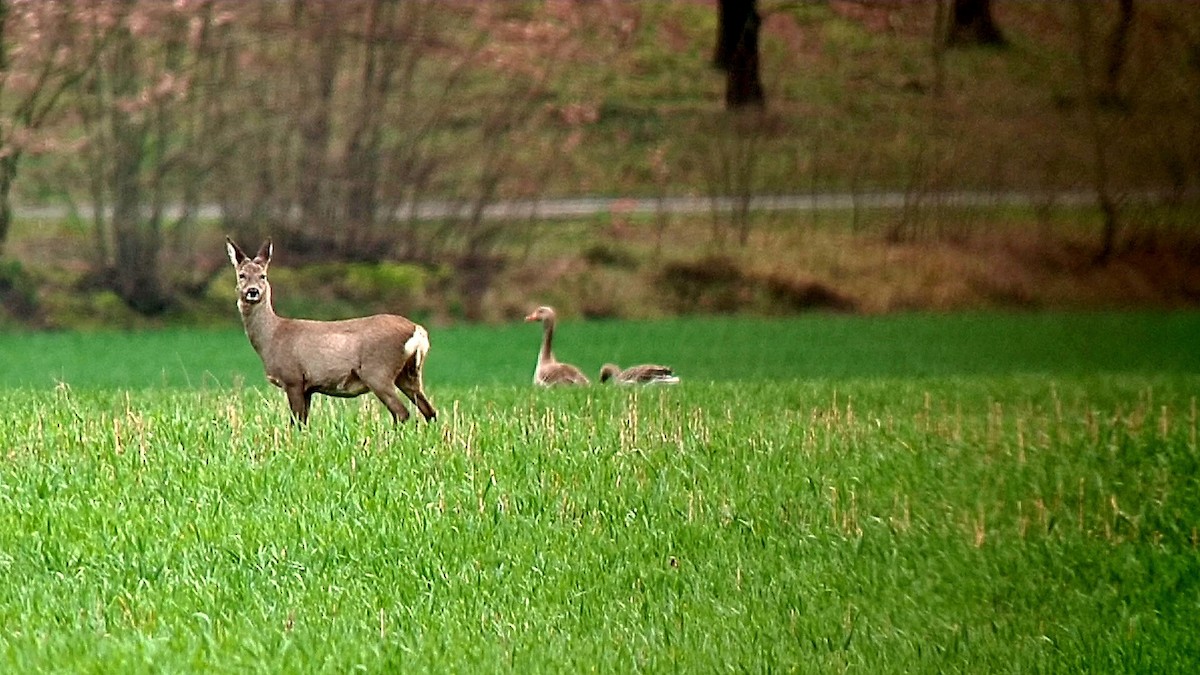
x=550 y=371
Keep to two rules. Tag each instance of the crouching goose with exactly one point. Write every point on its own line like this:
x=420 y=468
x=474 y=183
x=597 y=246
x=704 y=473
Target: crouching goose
x=644 y=374
x=549 y=371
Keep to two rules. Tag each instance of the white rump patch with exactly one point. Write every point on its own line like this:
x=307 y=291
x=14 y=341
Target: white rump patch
x=417 y=346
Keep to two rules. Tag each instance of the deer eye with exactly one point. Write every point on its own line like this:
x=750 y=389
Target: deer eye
x=242 y=276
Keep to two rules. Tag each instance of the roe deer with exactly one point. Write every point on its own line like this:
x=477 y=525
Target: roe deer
x=337 y=358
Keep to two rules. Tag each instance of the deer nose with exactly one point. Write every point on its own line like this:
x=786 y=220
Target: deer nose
x=253 y=294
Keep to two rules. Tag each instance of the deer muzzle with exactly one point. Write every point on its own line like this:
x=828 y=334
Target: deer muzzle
x=252 y=294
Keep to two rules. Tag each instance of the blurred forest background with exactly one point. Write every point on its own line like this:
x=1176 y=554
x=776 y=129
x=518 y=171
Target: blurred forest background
x=410 y=155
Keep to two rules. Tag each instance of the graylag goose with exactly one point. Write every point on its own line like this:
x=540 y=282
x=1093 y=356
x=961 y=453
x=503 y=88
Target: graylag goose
x=643 y=374
x=549 y=371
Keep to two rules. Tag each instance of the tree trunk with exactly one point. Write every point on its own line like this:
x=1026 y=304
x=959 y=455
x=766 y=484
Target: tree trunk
x=8 y=167
x=728 y=33
x=1109 y=228
x=316 y=128
x=1099 y=138
x=938 y=44
x=737 y=52
x=135 y=270
x=971 y=23
x=363 y=155
x=8 y=171
x=1118 y=51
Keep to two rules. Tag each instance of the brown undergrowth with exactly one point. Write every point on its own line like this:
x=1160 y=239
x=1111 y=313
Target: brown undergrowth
x=790 y=264
x=791 y=267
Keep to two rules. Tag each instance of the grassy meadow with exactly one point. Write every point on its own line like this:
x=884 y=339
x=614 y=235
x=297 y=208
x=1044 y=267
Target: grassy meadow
x=717 y=349
x=985 y=493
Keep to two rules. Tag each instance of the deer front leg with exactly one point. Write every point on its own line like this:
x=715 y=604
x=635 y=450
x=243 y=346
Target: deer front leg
x=298 y=401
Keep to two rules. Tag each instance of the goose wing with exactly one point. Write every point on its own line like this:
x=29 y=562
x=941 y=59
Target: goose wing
x=560 y=373
x=649 y=373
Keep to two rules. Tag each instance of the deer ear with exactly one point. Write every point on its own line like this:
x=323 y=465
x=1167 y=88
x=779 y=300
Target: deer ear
x=264 y=253
x=235 y=254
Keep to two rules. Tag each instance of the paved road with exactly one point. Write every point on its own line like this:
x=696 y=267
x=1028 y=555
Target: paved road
x=586 y=206
x=582 y=206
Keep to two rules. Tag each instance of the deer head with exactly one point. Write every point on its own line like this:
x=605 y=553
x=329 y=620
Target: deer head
x=252 y=282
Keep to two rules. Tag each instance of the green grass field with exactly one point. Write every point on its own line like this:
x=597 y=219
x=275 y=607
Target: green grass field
x=701 y=348
x=984 y=493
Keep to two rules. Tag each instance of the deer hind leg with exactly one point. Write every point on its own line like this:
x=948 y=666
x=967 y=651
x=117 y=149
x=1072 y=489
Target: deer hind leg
x=386 y=392
x=298 y=400
x=409 y=382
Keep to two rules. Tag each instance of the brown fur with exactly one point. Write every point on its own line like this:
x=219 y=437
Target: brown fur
x=337 y=358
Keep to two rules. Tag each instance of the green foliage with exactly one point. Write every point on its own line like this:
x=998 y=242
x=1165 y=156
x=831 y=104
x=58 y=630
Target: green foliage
x=611 y=255
x=18 y=292
x=341 y=290
x=384 y=280
x=716 y=283
x=73 y=309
